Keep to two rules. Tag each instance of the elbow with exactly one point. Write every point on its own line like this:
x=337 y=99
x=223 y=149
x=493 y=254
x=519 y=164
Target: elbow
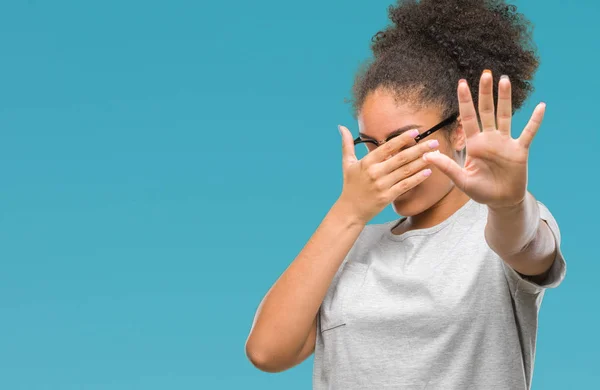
x=262 y=359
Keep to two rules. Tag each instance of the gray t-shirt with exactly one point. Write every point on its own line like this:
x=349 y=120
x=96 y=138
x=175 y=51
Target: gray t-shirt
x=432 y=308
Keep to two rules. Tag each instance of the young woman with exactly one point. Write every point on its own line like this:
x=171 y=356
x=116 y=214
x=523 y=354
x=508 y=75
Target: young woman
x=446 y=297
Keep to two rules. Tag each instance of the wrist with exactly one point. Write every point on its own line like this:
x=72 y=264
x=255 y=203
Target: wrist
x=507 y=211
x=525 y=207
x=346 y=213
x=511 y=208
x=510 y=229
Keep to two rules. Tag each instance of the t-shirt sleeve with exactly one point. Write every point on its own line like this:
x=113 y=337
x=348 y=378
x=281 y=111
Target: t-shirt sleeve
x=519 y=283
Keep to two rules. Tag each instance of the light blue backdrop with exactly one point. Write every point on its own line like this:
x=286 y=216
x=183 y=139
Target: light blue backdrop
x=162 y=162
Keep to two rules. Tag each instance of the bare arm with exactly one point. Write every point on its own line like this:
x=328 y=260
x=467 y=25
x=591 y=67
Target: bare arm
x=284 y=329
x=495 y=174
x=522 y=239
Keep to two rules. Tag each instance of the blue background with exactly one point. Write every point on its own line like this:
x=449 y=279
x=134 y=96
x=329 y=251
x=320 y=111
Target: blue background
x=163 y=162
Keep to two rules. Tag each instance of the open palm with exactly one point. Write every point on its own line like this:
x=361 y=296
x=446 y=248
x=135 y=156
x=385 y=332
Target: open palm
x=495 y=170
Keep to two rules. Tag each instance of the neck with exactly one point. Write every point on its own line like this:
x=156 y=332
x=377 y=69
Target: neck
x=436 y=214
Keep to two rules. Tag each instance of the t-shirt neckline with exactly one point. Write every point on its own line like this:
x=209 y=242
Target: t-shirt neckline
x=425 y=231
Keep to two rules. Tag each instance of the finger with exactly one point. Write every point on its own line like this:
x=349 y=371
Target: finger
x=504 y=105
x=486 y=101
x=448 y=166
x=348 y=151
x=406 y=156
x=467 y=109
x=404 y=172
x=391 y=147
x=409 y=183
x=533 y=125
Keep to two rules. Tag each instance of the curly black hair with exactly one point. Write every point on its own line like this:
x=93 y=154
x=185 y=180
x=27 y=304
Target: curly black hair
x=431 y=44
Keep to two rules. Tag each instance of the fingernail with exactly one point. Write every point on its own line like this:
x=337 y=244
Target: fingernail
x=487 y=71
x=426 y=155
x=462 y=81
x=427 y=172
x=413 y=133
x=504 y=77
x=340 y=129
x=433 y=143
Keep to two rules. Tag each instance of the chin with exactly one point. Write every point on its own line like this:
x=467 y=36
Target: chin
x=408 y=205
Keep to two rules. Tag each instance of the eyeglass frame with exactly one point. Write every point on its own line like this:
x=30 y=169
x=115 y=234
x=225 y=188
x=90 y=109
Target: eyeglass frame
x=419 y=137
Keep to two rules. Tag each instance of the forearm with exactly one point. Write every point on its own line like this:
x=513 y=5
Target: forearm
x=285 y=316
x=521 y=238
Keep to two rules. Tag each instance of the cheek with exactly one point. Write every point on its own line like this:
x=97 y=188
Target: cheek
x=445 y=146
x=438 y=184
x=438 y=181
x=433 y=184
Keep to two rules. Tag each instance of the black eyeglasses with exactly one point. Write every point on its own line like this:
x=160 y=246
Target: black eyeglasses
x=419 y=137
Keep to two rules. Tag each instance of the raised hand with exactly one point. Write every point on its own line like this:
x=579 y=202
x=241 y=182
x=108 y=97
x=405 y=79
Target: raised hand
x=373 y=182
x=495 y=169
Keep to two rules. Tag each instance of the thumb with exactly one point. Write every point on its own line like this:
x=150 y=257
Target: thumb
x=448 y=166
x=348 y=151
